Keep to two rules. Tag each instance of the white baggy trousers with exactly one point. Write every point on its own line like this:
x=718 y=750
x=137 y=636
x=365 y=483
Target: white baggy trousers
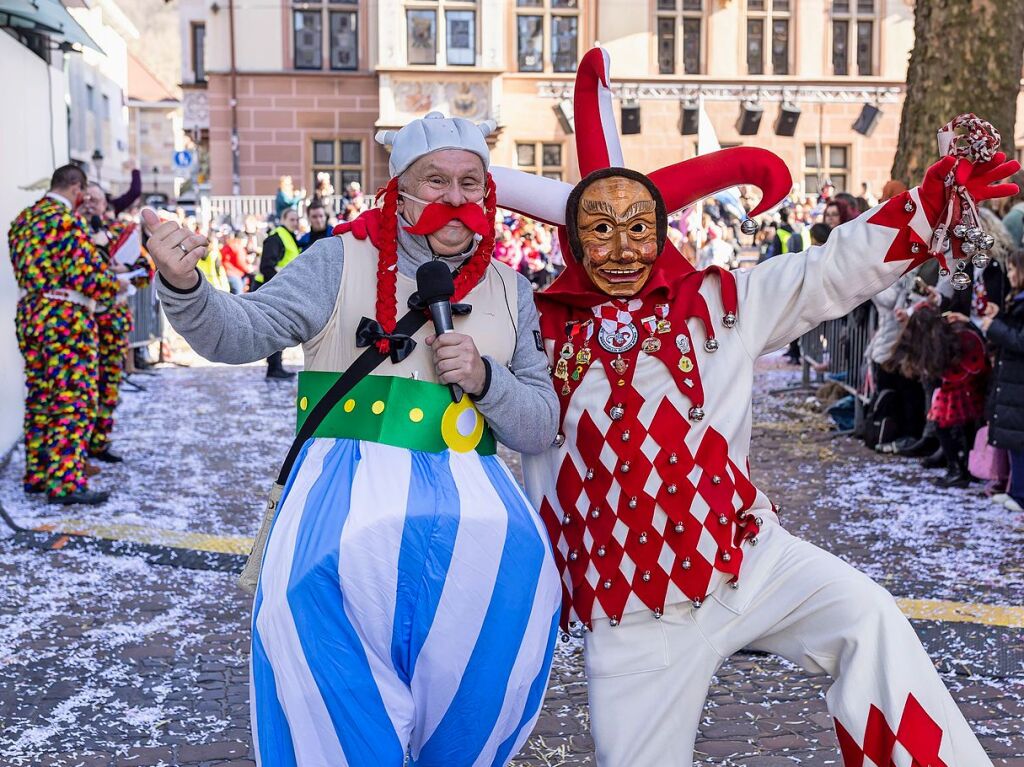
x=648 y=679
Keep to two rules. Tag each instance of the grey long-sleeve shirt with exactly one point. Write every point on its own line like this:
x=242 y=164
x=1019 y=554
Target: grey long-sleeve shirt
x=520 y=404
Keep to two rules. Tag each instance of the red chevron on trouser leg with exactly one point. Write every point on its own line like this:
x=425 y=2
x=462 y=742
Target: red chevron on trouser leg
x=917 y=734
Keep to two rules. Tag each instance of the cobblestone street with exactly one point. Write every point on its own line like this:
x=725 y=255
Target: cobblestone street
x=109 y=661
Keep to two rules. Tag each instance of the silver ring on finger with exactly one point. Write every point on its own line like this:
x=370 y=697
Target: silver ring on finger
x=182 y=248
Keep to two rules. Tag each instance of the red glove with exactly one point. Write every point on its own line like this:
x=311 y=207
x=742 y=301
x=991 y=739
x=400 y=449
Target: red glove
x=366 y=224
x=979 y=180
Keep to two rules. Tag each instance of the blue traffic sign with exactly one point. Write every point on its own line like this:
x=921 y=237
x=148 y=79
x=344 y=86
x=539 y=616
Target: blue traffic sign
x=182 y=159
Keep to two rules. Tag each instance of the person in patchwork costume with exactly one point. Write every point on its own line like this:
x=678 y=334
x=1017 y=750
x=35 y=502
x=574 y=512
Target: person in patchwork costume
x=62 y=278
x=672 y=558
x=408 y=600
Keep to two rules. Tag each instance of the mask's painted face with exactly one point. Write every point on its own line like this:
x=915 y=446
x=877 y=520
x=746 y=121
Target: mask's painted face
x=618 y=232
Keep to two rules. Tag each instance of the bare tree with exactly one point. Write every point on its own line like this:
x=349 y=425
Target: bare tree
x=967 y=57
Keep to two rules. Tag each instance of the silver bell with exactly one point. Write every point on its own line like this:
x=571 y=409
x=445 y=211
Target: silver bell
x=729 y=320
x=716 y=480
x=671 y=489
x=722 y=519
x=726 y=556
x=625 y=436
x=960 y=230
x=748 y=226
x=679 y=527
x=646 y=577
x=711 y=345
x=943 y=272
x=696 y=413
x=589 y=474
x=566 y=519
x=595 y=513
x=607 y=584
x=617 y=412
x=986 y=242
x=685 y=564
x=974 y=234
x=574 y=555
x=559 y=439
x=613 y=621
x=625 y=467
x=960 y=281
x=968 y=248
x=981 y=260
x=673 y=459
x=632 y=502
x=697 y=603
x=643 y=538
x=657 y=613
x=601 y=551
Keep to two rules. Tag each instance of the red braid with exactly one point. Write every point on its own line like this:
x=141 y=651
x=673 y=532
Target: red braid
x=471 y=274
x=387 y=265
x=387 y=259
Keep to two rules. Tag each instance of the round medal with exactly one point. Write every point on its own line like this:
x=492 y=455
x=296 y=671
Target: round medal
x=619 y=341
x=650 y=345
x=685 y=365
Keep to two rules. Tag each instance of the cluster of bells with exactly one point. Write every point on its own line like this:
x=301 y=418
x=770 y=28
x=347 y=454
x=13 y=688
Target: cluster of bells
x=976 y=244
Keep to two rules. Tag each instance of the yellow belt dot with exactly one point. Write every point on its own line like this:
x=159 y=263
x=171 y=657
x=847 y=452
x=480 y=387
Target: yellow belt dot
x=303 y=403
x=415 y=415
x=377 y=407
x=350 y=405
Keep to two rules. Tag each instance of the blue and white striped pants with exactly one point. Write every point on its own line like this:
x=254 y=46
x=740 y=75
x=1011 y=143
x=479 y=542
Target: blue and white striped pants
x=408 y=605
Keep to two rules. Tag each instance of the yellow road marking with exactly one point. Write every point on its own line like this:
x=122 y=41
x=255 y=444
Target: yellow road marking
x=918 y=609
x=962 y=612
x=223 y=544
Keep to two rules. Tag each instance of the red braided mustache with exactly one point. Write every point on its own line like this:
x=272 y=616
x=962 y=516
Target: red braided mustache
x=437 y=214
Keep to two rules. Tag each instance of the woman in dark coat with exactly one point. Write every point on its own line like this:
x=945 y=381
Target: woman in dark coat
x=1005 y=332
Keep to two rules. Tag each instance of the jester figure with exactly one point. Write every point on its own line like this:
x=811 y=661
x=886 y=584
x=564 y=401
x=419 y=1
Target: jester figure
x=672 y=559
x=114 y=320
x=408 y=600
x=62 y=278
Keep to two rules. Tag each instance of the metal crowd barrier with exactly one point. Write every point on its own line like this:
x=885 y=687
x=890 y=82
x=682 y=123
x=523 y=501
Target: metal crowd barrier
x=147 y=317
x=834 y=351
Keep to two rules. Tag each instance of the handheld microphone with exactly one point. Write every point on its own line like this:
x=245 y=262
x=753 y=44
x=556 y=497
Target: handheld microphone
x=96 y=223
x=436 y=287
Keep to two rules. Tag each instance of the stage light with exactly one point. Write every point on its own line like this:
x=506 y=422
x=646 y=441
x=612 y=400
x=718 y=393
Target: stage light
x=689 y=119
x=750 y=118
x=867 y=120
x=630 y=118
x=785 y=123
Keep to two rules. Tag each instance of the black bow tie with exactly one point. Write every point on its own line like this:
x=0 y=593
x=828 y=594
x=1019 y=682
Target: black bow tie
x=416 y=304
x=370 y=332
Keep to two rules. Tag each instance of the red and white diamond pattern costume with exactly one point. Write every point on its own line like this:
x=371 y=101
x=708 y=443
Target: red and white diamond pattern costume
x=655 y=530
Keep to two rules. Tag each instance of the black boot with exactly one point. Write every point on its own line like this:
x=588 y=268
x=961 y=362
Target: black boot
x=276 y=369
x=956 y=476
x=85 y=497
x=919 y=448
x=107 y=457
x=936 y=460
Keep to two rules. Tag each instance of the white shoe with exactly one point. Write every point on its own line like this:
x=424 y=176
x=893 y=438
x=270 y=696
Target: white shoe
x=1012 y=505
x=1000 y=498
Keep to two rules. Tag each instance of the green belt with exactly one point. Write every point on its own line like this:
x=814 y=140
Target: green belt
x=403 y=412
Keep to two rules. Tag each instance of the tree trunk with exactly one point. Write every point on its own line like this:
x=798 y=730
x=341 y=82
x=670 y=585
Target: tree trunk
x=967 y=58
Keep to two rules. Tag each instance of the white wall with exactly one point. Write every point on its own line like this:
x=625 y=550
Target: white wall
x=26 y=157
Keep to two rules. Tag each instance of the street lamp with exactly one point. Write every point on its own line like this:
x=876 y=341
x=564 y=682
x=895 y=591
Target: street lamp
x=97 y=161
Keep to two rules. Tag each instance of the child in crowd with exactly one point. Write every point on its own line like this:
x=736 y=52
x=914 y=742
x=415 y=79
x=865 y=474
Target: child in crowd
x=1005 y=332
x=932 y=348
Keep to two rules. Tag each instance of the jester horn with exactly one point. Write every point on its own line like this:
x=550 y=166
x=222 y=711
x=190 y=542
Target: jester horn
x=597 y=135
x=686 y=182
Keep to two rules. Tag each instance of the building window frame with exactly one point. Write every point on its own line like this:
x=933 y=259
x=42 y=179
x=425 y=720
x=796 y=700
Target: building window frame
x=672 y=18
x=539 y=158
x=550 y=14
x=826 y=161
x=339 y=162
x=445 y=13
x=849 y=19
x=770 y=16
x=327 y=34
x=197 y=54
